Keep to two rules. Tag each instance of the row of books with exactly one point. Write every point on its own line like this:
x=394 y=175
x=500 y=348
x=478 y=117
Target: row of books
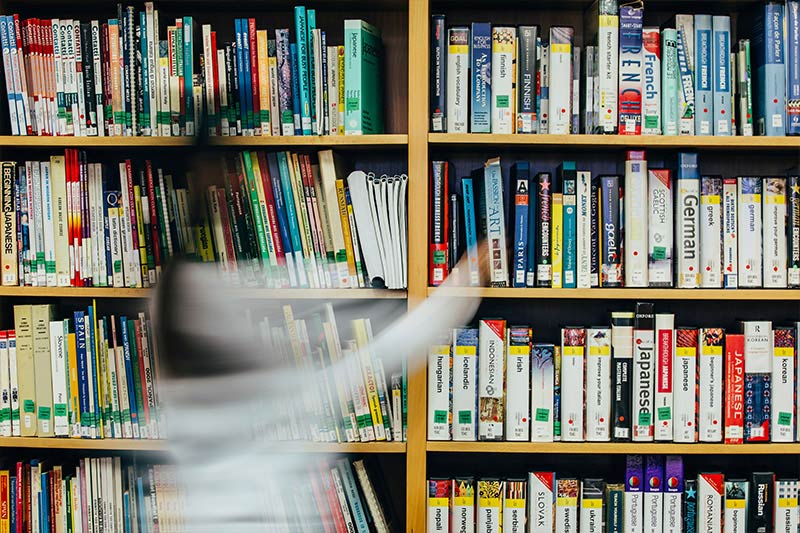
x=639 y=379
x=279 y=220
x=348 y=495
x=688 y=78
x=98 y=494
x=86 y=376
x=677 y=229
x=117 y=77
x=657 y=496
x=354 y=402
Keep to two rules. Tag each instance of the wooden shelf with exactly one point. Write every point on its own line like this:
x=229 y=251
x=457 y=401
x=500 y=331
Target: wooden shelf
x=622 y=294
x=11 y=141
x=73 y=292
x=608 y=142
x=615 y=448
x=335 y=447
x=286 y=294
x=85 y=444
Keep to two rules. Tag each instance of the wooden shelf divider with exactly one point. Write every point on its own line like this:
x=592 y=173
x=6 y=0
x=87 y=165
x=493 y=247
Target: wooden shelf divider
x=621 y=294
x=596 y=448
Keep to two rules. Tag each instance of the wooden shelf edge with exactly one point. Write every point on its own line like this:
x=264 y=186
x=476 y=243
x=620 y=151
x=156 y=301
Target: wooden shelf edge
x=614 y=448
x=337 y=447
x=287 y=294
x=621 y=294
x=12 y=141
x=85 y=444
x=74 y=292
x=615 y=141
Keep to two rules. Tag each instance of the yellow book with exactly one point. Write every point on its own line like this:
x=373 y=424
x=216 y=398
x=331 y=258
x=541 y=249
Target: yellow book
x=272 y=266
x=43 y=365
x=137 y=199
x=5 y=502
x=557 y=238
x=344 y=216
x=329 y=170
x=23 y=326
x=298 y=191
x=263 y=83
x=368 y=374
x=74 y=399
x=58 y=194
x=340 y=57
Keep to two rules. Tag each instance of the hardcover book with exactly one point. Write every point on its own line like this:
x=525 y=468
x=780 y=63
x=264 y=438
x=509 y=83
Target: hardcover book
x=710 y=493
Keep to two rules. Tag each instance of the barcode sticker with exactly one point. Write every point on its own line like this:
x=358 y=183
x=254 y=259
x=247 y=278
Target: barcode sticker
x=705 y=127
x=722 y=126
x=777 y=121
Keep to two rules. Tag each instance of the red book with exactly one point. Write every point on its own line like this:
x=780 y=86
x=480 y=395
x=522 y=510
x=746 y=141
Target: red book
x=313 y=216
x=24 y=67
x=47 y=34
x=272 y=216
x=439 y=216
x=86 y=279
x=215 y=67
x=322 y=504
x=227 y=235
x=144 y=418
x=105 y=54
x=127 y=189
x=254 y=66
x=151 y=204
x=734 y=388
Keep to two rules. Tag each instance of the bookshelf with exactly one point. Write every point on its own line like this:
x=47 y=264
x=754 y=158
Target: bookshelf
x=405 y=25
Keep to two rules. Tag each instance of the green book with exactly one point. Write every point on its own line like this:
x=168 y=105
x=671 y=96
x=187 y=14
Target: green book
x=363 y=74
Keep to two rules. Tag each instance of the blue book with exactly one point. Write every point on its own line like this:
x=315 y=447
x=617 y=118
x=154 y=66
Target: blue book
x=530 y=261
x=311 y=20
x=109 y=200
x=291 y=217
x=44 y=505
x=521 y=175
x=247 y=77
x=126 y=346
x=703 y=89
x=793 y=67
x=143 y=526
x=12 y=509
x=481 y=74
x=280 y=213
x=353 y=496
x=188 y=73
x=723 y=105
x=83 y=372
x=146 y=126
x=91 y=351
x=495 y=223
x=471 y=231
x=298 y=127
x=569 y=184
x=240 y=72
x=10 y=93
x=767 y=55
x=301 y=31
x=126 y=506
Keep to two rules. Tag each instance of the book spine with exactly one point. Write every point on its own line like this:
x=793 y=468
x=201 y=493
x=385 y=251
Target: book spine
x=636 y=220
x=730 y=223
x=542 y=393
x=594 y=239
x=711 y=232
x=575 y=91
x=521 y=201
x=660 y=228
x=630 y=70
x=783 y=385
x=544 y=266
x=653 y=501
x=793 y=231
x=495 y=224
x=610 y=238
x=622 y=361
x=757 y=365
x=687 y=233
x=570 y=230
x=560 y=80
x=491 y=372
x=608 y=39
x=439 y=379
x=710 y=493
x=771 y=72
x=573 y=348
x=490 y=503
x=457 y=75
x=722 y=75
x=598 y=378
x=686 y=63
x=514 y=503
x=542 y=501
x=793 y=67
x=710 y=362
x=465 y=384
x=438 y=506
x=10 y=244
x=703 y=82
x=685 y=385
x=438 y=91
x=503 y=48
x=584 y=229
x=557 y=394
x=774 y=232
x=744 y=86
x=670 y=81
x=652 y=93
x=557 y=238
x=567 y=495
x=518 y=381
x=527 y=69
x=750 y=238
x=634 y=498
x=481 y=75
x=544 y=88
x=470 y=230
x=644 y=364
x=440 y=219
x=734 y=389
x=664 y=364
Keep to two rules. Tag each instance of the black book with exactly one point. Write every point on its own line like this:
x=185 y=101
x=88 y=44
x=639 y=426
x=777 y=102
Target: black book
x=622 y=366
x=544 y=254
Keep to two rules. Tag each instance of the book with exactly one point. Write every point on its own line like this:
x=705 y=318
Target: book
x=630 y=69
x=457 y=74
x=438 y=79
x=687 y=221
x=651 y=82
x=598 y=376
x=684 y=24
x=560 y=80
x=734 y=388
x=704 y=74
x=636 y=220
x=503 y=105
x=517 y=383
x=660 y=228
x=774 y=232
x=665 y=368
x=465 y=373
x=527 y=73
x=750 y=232
x=670 y=81
x=711 y=231
x=481 y=77
x=711 y=382
x=602 y=28
x=491 y=374
x=721 y=25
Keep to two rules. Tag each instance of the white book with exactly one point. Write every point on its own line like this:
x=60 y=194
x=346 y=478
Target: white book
x=465 y=384
x=643 y=373
x=710 y=494
x=665 y=354
x=58 y=358
x=333 y=90
x=598 y=389
x=608 y=78
x=712 y=379
x=785 y=507
x=560 y=83
x=584 y=229
x=58 y=72
x=503 y=46
x=730 y=224
x=514 y=502
x=458 y=79
x=687 y=232
x=567 y=506
x=35 y=221
x=684 y=24
x=439 y=392
x=635 y=212
x=653 y=499
x=542 y=501
x=684 y=383
x=462 y=504
x=208 y=76
x=749 y=245
x=544 y=81
x=660 y=228
x=5 y=387
x=573 y=347
x=13 y=384
x=97 y=64
x=774 y=233
x=711 y=232
x=542 y=376
x=783 y=386
x=651 y=81
x=491 y=372
x=518 y=384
